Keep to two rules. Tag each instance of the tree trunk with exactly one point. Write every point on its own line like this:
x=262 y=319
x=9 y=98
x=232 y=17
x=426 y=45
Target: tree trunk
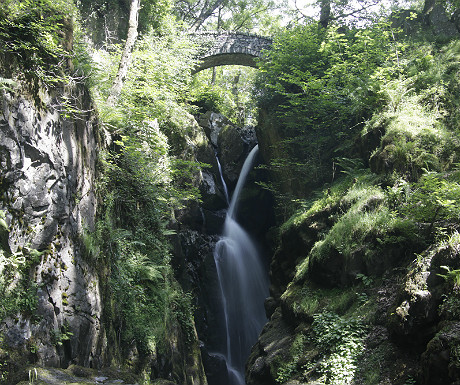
x=325 y=13
x=127 y=51
x=428 y=6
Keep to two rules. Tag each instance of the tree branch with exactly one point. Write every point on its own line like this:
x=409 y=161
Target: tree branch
x=205 y=13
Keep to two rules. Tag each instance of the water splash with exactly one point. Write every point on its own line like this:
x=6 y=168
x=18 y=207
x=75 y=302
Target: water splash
x=243 y=284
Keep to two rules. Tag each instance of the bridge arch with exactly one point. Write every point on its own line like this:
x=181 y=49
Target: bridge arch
x=230 y=48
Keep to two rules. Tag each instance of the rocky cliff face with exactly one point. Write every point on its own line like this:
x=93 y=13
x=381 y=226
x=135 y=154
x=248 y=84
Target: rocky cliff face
x=376 y=309
x=48 y=179
x=48 y=175
x=410 y=321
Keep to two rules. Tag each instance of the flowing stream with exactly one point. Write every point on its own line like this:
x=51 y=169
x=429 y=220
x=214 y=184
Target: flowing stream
x=243 y=284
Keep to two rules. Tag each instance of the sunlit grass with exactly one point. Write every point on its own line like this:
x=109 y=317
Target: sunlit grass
x=366 y=224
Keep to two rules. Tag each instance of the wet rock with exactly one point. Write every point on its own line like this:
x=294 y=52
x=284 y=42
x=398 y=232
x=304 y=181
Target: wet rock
x=270 y=305
x=233 y=143
x=275 y=340
x=416 y=312
x=211 y=191
x=232 y=153
x=215 y=367
x=213 y=123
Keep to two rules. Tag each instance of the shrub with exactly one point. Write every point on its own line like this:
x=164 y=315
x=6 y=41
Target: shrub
x=341 y=340
x=435 y=197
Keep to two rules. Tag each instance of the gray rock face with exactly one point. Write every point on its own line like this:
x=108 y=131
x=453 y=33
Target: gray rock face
x=440 y=23
x=275 y=340
x=213 y=123
x=233 y=143
x=48 y=175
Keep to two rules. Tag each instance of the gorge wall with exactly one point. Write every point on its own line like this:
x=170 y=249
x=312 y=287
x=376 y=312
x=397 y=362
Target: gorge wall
x=58 y=296
x=48 y=174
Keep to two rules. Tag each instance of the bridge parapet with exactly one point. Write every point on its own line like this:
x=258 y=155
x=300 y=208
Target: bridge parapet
x=230 y=48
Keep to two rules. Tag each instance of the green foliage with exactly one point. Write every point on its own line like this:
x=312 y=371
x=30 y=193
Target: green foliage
x=58 y=336
x=321 y=85
x=154 y=15
x=90 y=244
x=17 y=292
x=231 y=93
x=139 y=194
x=156 y=86
x=415 y=140
x=142 y=183
x=308 y=300
x=32 y=32
x=450 y=307
x=324 y=86
x=365 y=226
x=367 y=281
x=342 y=341
x=421 y=117
x=434 y=197
x=452 y=276
x=261 y=16
x=322 y=200
x=297 y=351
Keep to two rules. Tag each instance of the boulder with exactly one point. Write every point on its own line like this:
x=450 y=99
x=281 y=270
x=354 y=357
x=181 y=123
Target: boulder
x=232 y=143
x=415 y=313
x=213 y=123
x=441 y=359
x=275 y=340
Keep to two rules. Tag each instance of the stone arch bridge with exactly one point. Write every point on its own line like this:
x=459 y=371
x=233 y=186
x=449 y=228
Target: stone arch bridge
x=230 y=48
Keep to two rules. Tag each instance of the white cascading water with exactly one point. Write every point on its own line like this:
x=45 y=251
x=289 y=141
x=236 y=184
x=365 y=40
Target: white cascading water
x=243 y=284
x=222 y=179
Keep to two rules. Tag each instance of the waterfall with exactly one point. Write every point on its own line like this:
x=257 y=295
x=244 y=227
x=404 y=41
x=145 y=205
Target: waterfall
x=224 y=185
x=243 y=285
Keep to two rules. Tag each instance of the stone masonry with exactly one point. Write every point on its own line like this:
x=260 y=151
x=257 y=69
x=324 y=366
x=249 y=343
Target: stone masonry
x=229 y=48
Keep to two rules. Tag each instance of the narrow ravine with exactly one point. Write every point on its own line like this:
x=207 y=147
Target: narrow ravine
x=243 y=284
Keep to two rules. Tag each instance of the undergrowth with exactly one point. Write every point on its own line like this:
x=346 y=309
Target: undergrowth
x=340 y=341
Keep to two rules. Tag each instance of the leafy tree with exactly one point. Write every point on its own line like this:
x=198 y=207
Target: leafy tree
x=261 y=16
x=37 y=35
x=320 y=85
x=230 y=15
x=231 y=93
x=195 y=13
x=348 y=12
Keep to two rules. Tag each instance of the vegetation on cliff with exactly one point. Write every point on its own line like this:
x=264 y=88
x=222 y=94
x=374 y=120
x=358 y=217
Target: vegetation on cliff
x=362 y=139
x=368 y=153
x=146 y=313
